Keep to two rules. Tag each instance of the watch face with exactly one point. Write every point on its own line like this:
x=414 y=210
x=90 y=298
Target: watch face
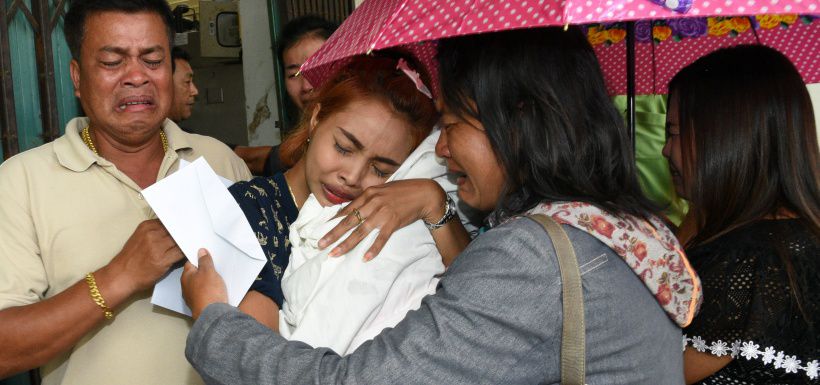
x=451 y=209
x=449 y=213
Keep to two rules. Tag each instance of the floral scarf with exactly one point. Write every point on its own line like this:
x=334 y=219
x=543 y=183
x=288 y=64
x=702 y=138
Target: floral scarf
x=648 y=247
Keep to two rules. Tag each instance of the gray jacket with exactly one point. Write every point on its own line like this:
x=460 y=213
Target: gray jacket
x=495 y=319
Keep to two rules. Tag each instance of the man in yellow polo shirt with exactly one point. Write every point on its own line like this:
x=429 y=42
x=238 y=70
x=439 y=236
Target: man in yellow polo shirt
x=79 y=252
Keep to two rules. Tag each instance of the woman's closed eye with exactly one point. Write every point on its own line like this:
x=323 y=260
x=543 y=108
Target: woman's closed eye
x=672 y=129
x=342 y=150
x=447 y=125
x=379 y=173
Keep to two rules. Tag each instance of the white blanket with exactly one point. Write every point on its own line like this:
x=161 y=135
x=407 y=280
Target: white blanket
x=342 y=302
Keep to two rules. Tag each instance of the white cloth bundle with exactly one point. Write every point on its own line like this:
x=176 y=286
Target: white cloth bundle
x=342 y=302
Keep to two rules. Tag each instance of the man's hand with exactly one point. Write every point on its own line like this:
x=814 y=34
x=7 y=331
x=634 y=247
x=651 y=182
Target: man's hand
x=147 y=255
x=202 y=286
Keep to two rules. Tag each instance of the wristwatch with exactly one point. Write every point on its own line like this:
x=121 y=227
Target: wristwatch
x=449 y=213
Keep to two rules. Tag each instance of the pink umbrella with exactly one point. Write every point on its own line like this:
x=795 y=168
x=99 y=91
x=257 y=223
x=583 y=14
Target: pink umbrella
x=417 y=24
x=379 y=24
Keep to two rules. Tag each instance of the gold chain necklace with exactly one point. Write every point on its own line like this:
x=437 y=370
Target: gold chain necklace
x=86 y=135
x=291 y=194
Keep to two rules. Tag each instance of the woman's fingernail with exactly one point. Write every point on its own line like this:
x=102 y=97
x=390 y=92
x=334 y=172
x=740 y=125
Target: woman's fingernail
x=368 y=256
x=202 y=252
x=322 y=243
x=334 y=253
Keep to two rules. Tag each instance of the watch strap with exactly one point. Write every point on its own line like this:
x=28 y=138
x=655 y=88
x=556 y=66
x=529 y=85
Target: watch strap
x=449 y=213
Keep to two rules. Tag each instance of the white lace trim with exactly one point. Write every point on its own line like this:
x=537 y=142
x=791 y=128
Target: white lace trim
x=751 y=351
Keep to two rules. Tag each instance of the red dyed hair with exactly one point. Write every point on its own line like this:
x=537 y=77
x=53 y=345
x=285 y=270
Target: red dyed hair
x=368 y=77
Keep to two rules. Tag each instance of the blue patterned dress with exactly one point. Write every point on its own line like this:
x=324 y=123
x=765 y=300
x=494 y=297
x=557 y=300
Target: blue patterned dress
x=270 y=209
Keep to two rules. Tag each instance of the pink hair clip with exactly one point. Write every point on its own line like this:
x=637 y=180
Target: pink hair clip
x=415 y=77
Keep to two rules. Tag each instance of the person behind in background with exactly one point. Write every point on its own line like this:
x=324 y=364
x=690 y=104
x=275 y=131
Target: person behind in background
x=301 y=37
x=527 y=128
x=742 y=148
x=79 y=250
x=185 y=90
x=362 y=124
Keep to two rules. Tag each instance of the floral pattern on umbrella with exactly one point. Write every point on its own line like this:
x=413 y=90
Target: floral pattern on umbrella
x=679 y=29
x=675 y=43
x=380 y=24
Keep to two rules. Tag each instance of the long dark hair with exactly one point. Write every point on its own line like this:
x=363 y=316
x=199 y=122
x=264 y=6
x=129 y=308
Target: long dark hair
x=748 y=140
x=301 y=27
x=540 y=95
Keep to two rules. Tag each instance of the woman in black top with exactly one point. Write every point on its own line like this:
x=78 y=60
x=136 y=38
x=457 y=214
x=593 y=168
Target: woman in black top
x=742 y=146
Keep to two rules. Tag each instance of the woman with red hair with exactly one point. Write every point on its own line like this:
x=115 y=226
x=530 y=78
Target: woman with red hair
x=354 y=134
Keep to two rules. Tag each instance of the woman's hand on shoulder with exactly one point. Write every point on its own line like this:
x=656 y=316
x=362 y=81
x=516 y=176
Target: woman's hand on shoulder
x=386 y=207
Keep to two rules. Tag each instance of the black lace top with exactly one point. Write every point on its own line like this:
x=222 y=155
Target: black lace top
x=749 y=309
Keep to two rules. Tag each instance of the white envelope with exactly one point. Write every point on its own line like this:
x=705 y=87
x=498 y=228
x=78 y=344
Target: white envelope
x=199 y=212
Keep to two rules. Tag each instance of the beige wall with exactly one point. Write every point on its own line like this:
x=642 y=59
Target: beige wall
x=814 y=91
x=261 y=107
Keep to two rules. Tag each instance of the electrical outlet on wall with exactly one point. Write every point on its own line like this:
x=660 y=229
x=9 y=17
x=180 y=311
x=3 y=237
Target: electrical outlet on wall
x=220 y=34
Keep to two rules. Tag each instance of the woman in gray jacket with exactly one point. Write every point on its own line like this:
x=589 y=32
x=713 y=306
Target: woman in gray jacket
x=527 y=128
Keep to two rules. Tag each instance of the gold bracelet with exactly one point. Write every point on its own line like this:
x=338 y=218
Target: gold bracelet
x=96 y=296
